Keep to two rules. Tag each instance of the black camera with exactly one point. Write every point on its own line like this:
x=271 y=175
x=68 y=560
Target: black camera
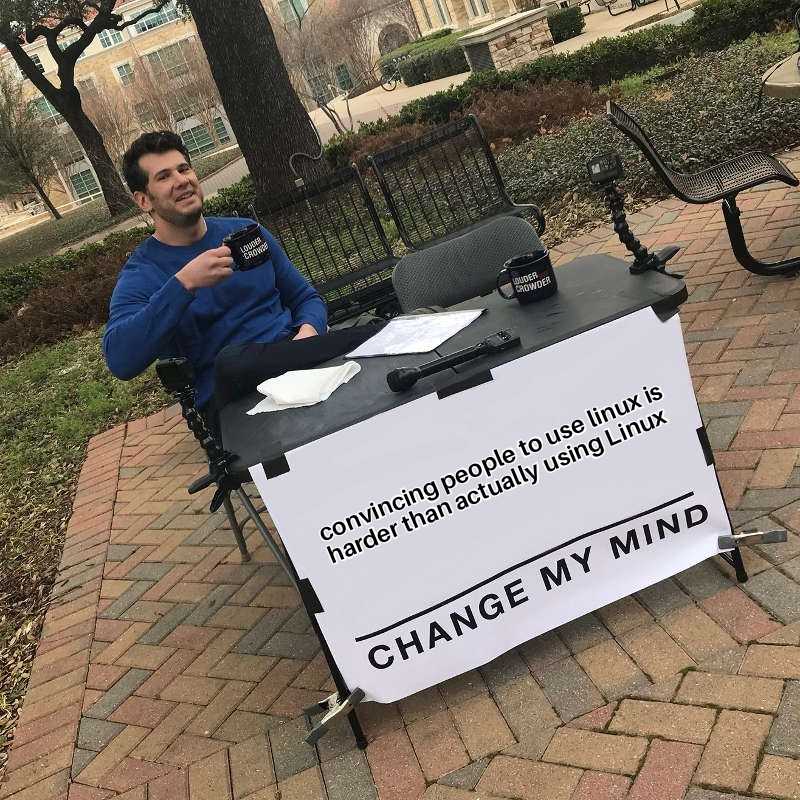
x=605 y=168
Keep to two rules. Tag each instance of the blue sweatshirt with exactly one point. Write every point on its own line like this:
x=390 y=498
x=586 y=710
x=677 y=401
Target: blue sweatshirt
x=153 y=316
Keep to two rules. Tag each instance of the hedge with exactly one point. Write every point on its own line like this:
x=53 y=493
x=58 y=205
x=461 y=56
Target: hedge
x=565 y=23
x=432 y=65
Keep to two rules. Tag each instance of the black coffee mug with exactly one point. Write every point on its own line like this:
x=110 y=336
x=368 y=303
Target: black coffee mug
x=248 y=247
x=530 y=276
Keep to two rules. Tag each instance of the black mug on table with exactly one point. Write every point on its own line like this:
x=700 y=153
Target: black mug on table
x=530 y=277
x=248 y=246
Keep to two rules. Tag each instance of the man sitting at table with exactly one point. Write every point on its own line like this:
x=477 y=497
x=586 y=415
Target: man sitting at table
x=177 y=295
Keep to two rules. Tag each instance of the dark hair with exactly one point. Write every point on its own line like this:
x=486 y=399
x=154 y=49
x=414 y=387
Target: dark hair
x=152 y=142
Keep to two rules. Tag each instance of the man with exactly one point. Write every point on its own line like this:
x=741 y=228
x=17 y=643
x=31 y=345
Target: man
x=177 y=294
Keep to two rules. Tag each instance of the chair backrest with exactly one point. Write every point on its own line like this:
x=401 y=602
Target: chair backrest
x=332 y=234
x=624 y=122
x=442 y=182
x=463 y=267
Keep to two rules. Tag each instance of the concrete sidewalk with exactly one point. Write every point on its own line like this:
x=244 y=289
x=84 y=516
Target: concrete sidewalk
x=168 y=670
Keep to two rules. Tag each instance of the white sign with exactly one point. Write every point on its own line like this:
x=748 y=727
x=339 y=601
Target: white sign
x=445 y=532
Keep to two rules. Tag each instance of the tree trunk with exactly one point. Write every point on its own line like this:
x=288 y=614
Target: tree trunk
x=45 y=199
x=265 y=113
x=116 y=195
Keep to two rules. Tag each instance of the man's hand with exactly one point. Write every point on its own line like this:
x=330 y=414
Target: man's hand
x=208 y=269
x=305 y=331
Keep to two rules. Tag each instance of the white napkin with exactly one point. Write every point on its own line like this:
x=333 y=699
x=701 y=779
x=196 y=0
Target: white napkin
x=303 y=387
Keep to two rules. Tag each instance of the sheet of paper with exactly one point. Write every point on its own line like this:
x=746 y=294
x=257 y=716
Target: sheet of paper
x=417 y=334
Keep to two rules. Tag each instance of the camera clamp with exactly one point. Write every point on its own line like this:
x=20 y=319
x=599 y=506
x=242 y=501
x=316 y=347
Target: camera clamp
x=604 y=171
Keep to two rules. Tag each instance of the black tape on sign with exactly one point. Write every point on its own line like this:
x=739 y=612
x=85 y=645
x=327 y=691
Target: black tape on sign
x=276 y=466
x=465 y=383
x=706 y=445
x=310 y=599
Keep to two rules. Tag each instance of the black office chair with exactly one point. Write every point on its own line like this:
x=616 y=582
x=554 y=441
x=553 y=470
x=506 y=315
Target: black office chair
x=463 y=267
x=721 y=182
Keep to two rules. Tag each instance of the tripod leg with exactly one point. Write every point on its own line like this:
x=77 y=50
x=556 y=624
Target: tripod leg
x=235 y=527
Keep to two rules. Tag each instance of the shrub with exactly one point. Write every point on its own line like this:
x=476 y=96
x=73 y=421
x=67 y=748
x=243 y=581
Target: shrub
x=417 y=44
x=232 y=200
x=566 y=23
x=433 y=64
x=717 y=23
x=538 y=110
x=17 y=282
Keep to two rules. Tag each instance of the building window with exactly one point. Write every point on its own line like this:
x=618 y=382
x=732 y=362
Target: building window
x=444 y=14
x=343 y=79
x=86 y=88
x=37 y=61
x=170 y=59
x=71 y=148
x=477 y=8
x=169 y=13
x=182 y=106
x=144 y=114
x=125 y=73
x=46 y=111
x=197 y=140
x=84 y=184
x=425 y=12
x=110 y=38
x=292 y=11
x=221 y=131
x=320 y=90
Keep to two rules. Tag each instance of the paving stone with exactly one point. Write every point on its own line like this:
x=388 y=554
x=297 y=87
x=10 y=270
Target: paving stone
x=783 y=739
x=655 y=652
x=466 y=777
x=664 y=720
x=149 y=571
x=739 y=692
x=721 y=432
x=610 y=669
x=777 y=593
x=623 y=615
x=666 y=771
x=503 y=670
x=95 y=734
x=730 y=758
x=80 y=760
x=524 y=705
x=583 y=633
x=697 y=633
x=598 y=751
x=517 y=777
x=711 y=794
x=119 y=552
x=437 y=745
x=291 y=645
x=703 y=580
x=167 y=624
x=663 y=597
x=742 y=617
x=111 y=700
x=481 y=726
x=257 y=637
x=543 y=651
x=347 y=777
x=289 y=752
x=125 y=600
x=251 y=766
x=772 y=661
x=778 y=777
x=569 y=689
x=207 y=607
x=394 y=767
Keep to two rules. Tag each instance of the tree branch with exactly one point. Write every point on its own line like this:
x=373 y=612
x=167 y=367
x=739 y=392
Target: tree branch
x=139 y=17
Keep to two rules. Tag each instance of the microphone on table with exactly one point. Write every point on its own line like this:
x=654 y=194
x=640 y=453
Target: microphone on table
x=402 y=379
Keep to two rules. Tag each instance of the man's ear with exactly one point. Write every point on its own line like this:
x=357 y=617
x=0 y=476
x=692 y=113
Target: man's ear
x=143 y=201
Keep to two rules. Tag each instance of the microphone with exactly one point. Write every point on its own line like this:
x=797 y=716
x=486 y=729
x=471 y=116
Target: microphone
x=402 y=379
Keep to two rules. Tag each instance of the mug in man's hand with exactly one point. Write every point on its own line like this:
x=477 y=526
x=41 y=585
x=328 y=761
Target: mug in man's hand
x=248 y=247
x=529 y=277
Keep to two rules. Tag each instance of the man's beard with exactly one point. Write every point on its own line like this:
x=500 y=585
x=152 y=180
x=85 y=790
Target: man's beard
x=179 y=219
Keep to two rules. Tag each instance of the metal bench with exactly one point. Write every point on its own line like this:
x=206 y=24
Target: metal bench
x=331 y=232
x=444 y=184
x=721 y=182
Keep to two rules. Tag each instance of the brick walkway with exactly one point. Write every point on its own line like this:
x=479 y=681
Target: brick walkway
x=169 y=671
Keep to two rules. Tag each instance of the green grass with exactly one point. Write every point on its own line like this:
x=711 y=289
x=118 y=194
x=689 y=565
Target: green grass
x=55 y=399
x=50 y=236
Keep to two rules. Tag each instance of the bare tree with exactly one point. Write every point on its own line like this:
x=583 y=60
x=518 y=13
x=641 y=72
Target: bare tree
x=112 y=113
x=28 y=146
x=27 y=21
x=198 y=84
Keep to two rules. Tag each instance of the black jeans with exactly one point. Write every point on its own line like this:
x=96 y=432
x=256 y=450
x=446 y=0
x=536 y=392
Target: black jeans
x=239 y=368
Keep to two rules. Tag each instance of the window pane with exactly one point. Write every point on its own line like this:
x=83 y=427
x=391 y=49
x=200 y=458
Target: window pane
x=197 y=140
x=170 y=60
x=222 y=132
x=84 y=184
x=38 y=61
x=110 y=38
x=46 y=111
x=168 y=13
x=343 y=79
x=125 y=72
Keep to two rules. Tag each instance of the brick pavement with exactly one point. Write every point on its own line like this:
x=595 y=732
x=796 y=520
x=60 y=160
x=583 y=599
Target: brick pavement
x=169 y=670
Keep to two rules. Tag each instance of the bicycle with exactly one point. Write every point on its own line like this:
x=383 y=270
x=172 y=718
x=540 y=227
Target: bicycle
x=390 y=74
